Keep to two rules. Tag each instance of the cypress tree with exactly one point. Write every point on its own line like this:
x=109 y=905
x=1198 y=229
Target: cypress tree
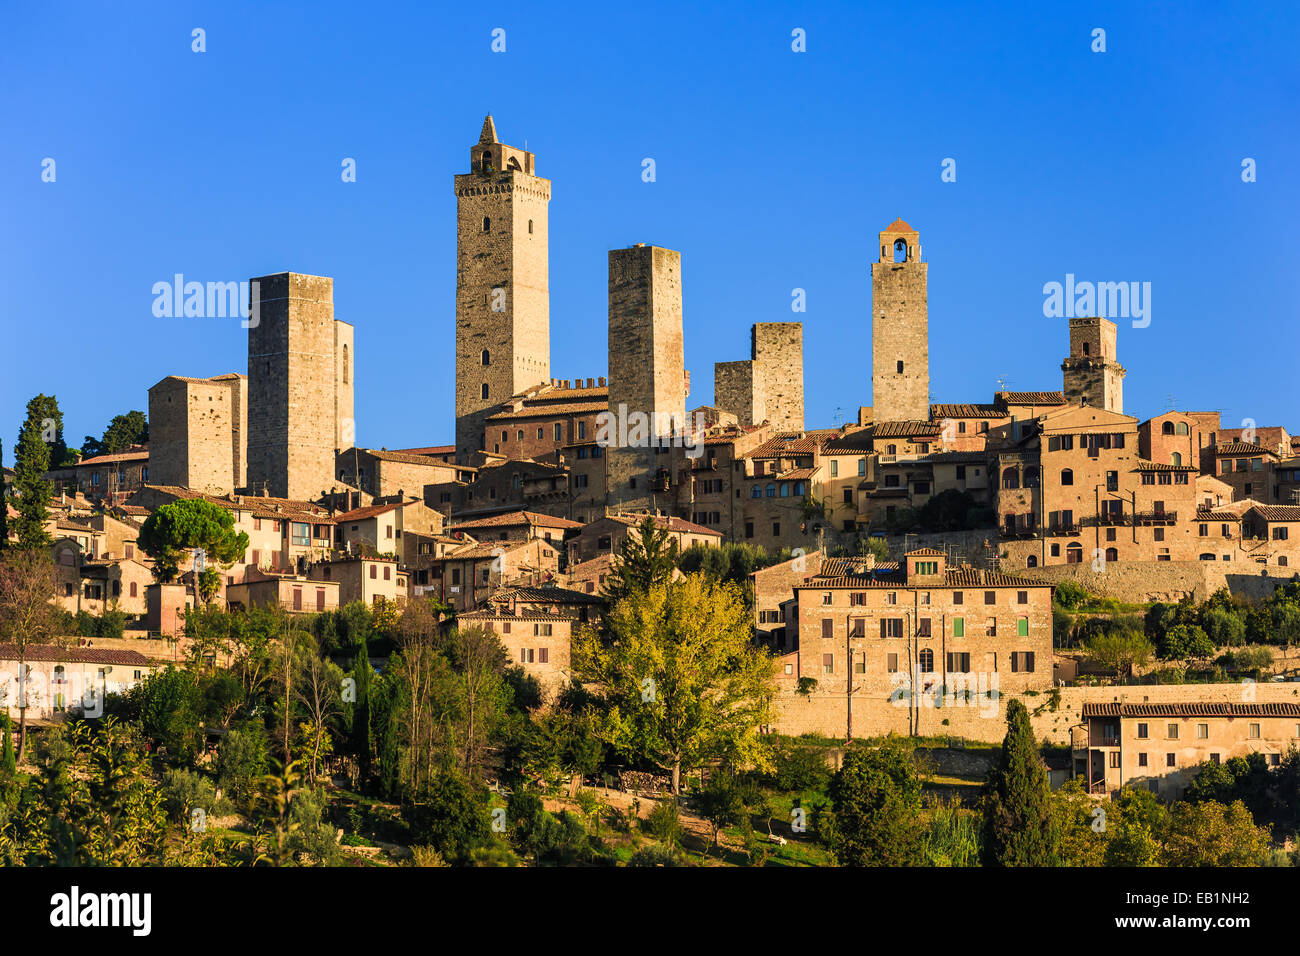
x=1018 y=828
x=31 y=462
x=4 y=505
x=8 y=764
x=360 y=733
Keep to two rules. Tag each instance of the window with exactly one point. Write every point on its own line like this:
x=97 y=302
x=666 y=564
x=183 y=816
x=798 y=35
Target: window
x=828 y=663
x=858 y=598
x=1022 y=627
x=958 y=597
x=541 y=630
x=900 y=367
x=749 y=528
x=1142 y=760
x=776 y=529
x=1171 y=731
x=891 y=663
x=1171 y=760
x=923 y=627
x=958 y=627
x=1254 y=731
x=828 y=627
x=835 y=468
x=1022 y=597
x=959 y=662
x=300 y=534
x=925 y=661
x=487 y=221
x=1067 y=476
x=1022 y=662
x=990 y=597
x=134 y=587
x=530 y=227
x=1114 y=759
x=483 y=392
x=860 y=662
x=891 y=627
x=1142 y=732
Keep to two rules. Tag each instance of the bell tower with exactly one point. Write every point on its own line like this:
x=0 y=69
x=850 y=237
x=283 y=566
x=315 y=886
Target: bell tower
x=900 y=336
x=503 y=310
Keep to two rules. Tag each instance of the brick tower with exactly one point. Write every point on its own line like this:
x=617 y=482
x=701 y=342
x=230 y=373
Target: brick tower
x=646 y=367
x=503 y=311
x=1092 y=373
x=300 y=386
x=900 y=336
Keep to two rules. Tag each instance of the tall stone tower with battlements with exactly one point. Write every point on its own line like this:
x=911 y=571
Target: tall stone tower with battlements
x=646 y=371
x=768 y=386
x=300 y=386
x=503 y=310
x=900 y=334
x=1092 y=374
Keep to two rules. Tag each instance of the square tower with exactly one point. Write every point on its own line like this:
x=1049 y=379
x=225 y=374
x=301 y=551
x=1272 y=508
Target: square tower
x=647 y=378
x=1092 y=374
x=196 y=430
x=777 y=349
x=503 y=299
x=300 y=386
x=738 y=389
x=900 y=334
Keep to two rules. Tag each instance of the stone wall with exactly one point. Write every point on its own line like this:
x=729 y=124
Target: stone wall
x=777 y=352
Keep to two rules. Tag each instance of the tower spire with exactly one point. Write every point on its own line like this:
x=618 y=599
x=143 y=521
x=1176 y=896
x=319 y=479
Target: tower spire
x=489 y=134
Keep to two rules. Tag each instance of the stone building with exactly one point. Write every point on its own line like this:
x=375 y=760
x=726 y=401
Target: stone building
x=768 y=386
x=544 y=420
x=300 y=386
x=1092 y=373
x=503 y=319
x=900 y=337
x=647 y=379
x=66 y=681
x=198 y=433
x=1161 y=746
x=1179 y=438
x=380 y=473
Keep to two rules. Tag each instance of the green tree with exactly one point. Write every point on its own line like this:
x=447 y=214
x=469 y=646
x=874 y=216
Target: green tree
x=185 y=525
x=122 y=432
x=4 y=504
x=359 y=736
x=8 y=762
x=1184 y=641
x=681 y=678
x=1018 y=827
x=451 y=817
x=646 y=559
x=874 y=815
x=38 y=449
x=1120 y=651
x=1212 y=834
x=1224 y=627
x=27 y=613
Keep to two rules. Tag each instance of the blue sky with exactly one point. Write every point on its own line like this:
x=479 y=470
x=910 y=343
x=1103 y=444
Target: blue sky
x=775 y=171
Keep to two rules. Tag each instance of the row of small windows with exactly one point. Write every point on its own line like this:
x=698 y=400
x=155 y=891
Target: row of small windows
x=958 y=662
x=788 y=488
x=487 y=225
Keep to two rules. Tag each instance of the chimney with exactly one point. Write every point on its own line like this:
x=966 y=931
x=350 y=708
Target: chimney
x=601 y=381
x=591 y=383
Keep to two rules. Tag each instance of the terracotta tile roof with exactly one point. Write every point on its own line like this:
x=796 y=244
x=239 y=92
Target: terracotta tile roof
x=966 y=410
x=963 y=577
x=74 y=655
x=546 y=411
x=549 y=595
x=854 y=442
x=680 y=525
x=256 y=505
x=1240 y=448
x=847 y=567
x=370 y=511
x=489 y=549
x=907 y=429
x=430 y=450
x=957 y=457
x=899 y=226
x=1217 y=516
x=927 y=552
x=485 y=614
x=1278 y=512
x=131 y=454
x=799 y=474
x=1030 y=398
x=1191 y=709
x=793 y=443
x=512 y=518
x=1143 y=465
x=407 y=458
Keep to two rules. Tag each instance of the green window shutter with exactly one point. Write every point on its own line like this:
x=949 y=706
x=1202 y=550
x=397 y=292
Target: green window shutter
x=1022 y=627
x=958 y=627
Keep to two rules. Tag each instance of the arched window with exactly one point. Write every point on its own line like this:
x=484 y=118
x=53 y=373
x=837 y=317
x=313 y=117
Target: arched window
x=757 y=492
x=798 y=489
x=1176 y=458
x=485 y=390
x=1112 y=554
x=891 y=449
x=134 y=592
x=1167 y=428
x=771 y=491
x=1086 y=348
x=530 y=227
x=486 y=357
x=1181 y=428
x=487 y=224
x=900 y=250
x=487 y=160
x=926 y=660
x=1067 y=476
x=1031 y=477
x=1208 y=557
x=785 y=489
x=1074 y=553
x=1011 y=477
x=1032 y=562
x=117 y=589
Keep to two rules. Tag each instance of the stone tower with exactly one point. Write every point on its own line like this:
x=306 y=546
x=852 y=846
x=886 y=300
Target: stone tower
x=900 y=336
x=1092 y=373
x=503 y=310
x=300 y=386
x=197 y=428
x=647 y=379
x=769 y=385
